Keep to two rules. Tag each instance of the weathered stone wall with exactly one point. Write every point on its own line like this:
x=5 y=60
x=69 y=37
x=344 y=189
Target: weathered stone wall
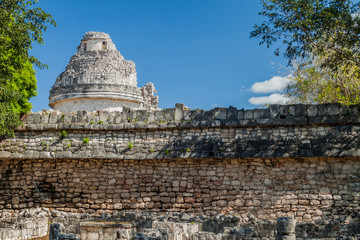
x=299 y=160
x=27 y=224
x=279 y=131
x=92 y=104
x=308 y=189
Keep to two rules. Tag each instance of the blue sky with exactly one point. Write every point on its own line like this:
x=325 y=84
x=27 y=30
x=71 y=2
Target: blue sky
x=196 y=52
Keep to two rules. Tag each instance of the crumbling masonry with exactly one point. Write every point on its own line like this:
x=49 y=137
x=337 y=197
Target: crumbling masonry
x=109 y=164
x=256 y=165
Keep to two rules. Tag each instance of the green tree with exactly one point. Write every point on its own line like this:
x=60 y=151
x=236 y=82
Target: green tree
x=312 y=27
x=21 y=25
x=322 y=43
x=313 y=83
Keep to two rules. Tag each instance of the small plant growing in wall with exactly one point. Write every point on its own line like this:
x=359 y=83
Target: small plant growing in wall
x=92 y=122
x=166 y=152
x=100 y=122
x=185 y=150
x=86 y=140
x=152 y=150
x=130 y=145
x=63 y=134
x=69 y=144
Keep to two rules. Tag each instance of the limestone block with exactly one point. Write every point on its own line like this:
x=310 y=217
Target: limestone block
x=286 y=237
x=179 y=112
x=286 y=226
x=106 y=230
x=55 y=231
x=122 y=234
x=220 y=113
x=69 y=236
x=177 y=231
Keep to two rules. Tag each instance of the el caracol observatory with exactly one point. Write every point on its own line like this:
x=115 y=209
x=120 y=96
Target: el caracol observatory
x=99 y=78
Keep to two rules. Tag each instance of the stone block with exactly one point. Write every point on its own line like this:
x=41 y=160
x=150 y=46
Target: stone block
x=334 y=109
x=286 y=226
x=248 y=114
x=168 y=114
x=122 y=234
x=300 y=110
x=286 y=237
x=53 y=117
x=55 y=231
x=274 y=111
x=240 y=114
x=179 y=112
x=69 y=236
x=44 y=117
x=103 y=116
x=220 y=113
x=312 y=110
x=232 y=114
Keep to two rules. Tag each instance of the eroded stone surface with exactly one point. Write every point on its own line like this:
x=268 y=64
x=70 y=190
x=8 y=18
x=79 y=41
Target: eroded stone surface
x=97 y=78
x=25 y=224
x=257 y=165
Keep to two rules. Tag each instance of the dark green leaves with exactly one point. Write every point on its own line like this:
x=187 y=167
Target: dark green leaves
x=321 y=40
x=21 y=24
x=308 y=27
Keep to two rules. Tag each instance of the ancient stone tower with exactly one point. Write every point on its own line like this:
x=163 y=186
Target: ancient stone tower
x=99 y=78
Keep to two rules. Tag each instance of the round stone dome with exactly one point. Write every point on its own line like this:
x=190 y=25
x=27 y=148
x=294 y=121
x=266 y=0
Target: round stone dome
x=96 y=78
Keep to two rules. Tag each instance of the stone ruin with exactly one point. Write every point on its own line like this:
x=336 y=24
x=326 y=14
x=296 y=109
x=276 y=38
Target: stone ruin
x=123 y=225
x=110 y=165
x=99 y=78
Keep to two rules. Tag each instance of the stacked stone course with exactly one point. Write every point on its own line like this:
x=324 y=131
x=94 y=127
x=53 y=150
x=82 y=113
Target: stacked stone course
x=299 y=160
x=279 y=131
x=309 y=191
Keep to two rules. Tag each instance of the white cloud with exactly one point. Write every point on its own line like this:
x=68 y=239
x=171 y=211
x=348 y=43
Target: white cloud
x=274 y=98
x=275 y=84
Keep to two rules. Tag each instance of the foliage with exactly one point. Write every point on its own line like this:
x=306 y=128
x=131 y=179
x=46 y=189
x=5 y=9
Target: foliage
x=326 y=28
x=21 y=24
x=322 y=40
x=86 y=140
x=9 y=119
x=130 y=145
x=63 y=134
x=312 y=83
